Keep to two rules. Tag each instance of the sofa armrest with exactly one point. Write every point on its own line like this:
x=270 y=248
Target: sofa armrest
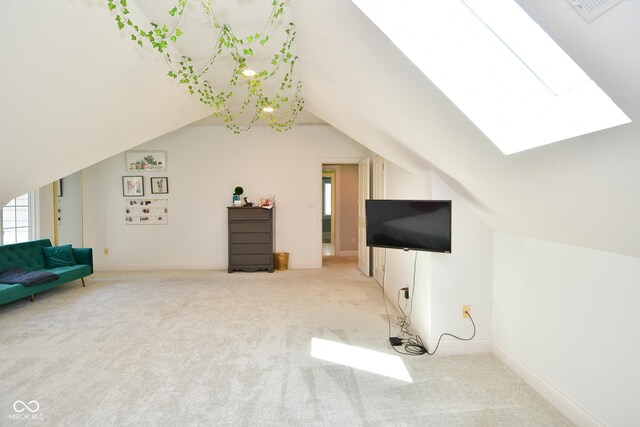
x=84 y=256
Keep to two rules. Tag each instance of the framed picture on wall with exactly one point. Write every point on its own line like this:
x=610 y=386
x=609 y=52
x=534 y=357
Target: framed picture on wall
x=146 y=161
x=132 y=186
x=159 y=185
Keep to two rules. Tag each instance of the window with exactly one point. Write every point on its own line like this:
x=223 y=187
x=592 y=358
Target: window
x=499 y=67
x=17 y=220
x=326 y=190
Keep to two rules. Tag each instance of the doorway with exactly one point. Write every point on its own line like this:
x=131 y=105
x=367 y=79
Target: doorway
x=339 y=214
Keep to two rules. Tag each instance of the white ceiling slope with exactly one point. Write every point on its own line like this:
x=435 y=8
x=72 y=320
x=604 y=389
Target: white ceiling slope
x=584 y=191
x=74 y=91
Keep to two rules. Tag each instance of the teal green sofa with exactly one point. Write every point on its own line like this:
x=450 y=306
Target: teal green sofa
x=29 y=256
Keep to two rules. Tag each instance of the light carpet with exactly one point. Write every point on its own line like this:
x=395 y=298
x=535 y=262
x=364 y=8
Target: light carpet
x=212 y=348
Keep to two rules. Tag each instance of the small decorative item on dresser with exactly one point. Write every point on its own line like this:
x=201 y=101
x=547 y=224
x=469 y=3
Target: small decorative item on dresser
x=267 y=202
x=237 y=192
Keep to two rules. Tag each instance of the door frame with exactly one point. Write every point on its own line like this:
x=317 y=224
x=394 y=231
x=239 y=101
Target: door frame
x=333 y=176
x=364 y=194
x=378 y=191
x=318 y=221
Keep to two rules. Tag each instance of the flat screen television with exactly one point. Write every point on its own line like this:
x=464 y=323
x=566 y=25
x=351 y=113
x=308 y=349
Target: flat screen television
x=422 y=225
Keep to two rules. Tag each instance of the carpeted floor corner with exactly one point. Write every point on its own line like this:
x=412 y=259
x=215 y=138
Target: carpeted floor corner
x=212 y=348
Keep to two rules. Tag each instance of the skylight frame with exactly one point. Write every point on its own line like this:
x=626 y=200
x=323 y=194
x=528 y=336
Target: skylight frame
x=486 y=57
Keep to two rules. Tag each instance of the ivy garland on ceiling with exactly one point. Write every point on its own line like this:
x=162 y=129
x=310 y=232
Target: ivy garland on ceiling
x=161 y=37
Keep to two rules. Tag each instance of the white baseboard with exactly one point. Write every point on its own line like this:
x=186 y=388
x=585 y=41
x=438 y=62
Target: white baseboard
x=570 y=409
x=452 y=347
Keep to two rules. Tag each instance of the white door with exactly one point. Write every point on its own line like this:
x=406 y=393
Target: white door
x=363 y=194
x=378 y=193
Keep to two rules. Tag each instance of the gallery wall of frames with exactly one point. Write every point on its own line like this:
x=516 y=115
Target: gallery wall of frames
x=145 y=211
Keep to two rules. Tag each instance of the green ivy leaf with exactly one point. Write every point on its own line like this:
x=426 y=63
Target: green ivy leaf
x=160 y=36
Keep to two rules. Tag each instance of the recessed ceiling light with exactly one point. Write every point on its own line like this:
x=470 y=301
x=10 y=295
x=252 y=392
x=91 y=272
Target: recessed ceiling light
x=248 y=73
x=268 y=109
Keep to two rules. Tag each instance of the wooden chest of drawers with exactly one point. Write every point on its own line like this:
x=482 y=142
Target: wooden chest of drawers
x=251 y=239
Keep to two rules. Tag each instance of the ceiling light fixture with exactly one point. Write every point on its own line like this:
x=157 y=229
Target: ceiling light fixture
x=268 y=109
x=248 y=73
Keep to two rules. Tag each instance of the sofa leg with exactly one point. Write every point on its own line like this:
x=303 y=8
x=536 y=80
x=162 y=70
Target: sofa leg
x=83 y=285
x=32 y=298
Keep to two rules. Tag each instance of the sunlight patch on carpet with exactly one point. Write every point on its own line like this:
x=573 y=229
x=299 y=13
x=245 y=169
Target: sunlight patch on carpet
x=360 y=358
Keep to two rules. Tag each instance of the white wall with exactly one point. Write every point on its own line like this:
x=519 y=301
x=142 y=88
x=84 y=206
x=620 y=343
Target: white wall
x=75 y=91
x=565 y=319
x=444 y=282
x=414 y=125
x=204 y=165
x=464 y=277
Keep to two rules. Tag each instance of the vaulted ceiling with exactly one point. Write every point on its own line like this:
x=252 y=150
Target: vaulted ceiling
x=74 y=91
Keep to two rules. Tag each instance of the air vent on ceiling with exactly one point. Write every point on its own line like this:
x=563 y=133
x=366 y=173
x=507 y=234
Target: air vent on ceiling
x=591 y=9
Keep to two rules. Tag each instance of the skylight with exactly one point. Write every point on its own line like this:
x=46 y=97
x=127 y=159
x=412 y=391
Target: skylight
x=499 y=67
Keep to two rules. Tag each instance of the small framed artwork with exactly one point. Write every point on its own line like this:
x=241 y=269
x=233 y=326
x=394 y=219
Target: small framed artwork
x=146 y=161
x=59 y=187
x=159 y=185
x=132 y=186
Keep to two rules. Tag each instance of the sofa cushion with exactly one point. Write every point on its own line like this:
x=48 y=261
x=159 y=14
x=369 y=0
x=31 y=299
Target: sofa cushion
x=73 y=272
x=58 y=256
x=27 y=255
